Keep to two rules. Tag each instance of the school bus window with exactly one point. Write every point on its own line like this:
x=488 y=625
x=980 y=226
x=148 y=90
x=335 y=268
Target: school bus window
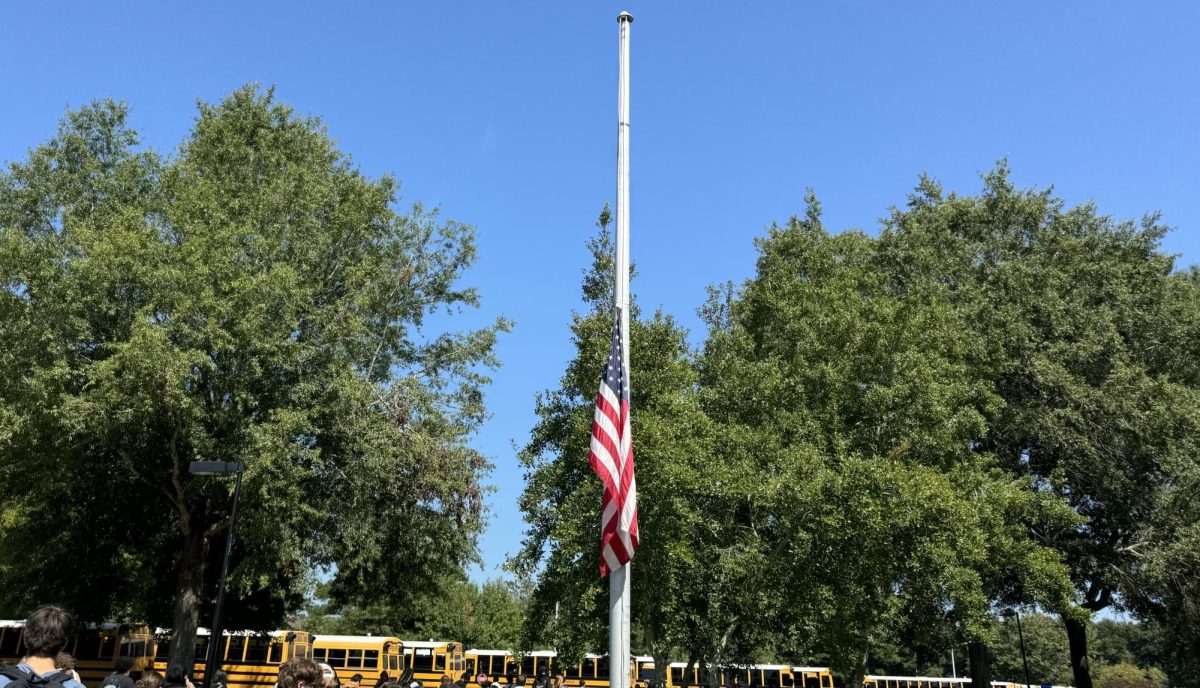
x=257 y=648
x=335 y=657
x=826 y=681
x=354 y=658
x=527 y=666
x=9 y=639
x=275 y=653
x=370 y=659
x=772 y=677
x=422 y=660
x=131 y=648
x=575 y=671
x=235 y=648
x=201 y=649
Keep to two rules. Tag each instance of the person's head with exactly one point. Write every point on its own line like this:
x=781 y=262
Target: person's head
x=150 y=679
x=220 y=678
x=384 y=676
x=48 y=630
x=444 y=681
x=482 y=679
x=122 y=665
x=63 y=661
x=299 y=672
x=519 y=680
x=356 y=679
x=176 y=676
x=328 y=677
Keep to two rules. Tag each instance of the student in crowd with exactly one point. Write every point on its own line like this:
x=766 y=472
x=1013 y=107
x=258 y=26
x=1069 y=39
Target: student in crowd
x=64 y=662
x=354 y=682
x=48 y=631
x=177 y=677
x=328 y=676
x=150 y=679
x=119 y=678
x=383 y=679
x=299 y=672
x=445 y=682
x=220 y=679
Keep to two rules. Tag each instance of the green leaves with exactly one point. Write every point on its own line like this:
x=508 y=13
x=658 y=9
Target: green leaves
x=253 y=298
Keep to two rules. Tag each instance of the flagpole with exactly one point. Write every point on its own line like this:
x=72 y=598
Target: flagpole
x=618 y=580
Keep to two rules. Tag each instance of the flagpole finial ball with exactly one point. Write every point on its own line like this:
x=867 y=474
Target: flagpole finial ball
x=625 y=17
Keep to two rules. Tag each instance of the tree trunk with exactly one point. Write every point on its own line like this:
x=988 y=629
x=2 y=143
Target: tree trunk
x=189 y=592
x=855 y=679
x=981 y=669
x=1077 y=639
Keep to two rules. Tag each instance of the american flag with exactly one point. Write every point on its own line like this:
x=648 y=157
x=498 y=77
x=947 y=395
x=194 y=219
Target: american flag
x=611 y=457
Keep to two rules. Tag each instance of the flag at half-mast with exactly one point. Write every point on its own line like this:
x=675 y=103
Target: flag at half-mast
x=611 y=457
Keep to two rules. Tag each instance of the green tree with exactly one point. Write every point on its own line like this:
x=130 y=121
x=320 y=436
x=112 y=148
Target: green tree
x=1073 y=320
x=488 y=615
x=562 y=496
x=1045 y=646
x=252 y=298
x=1129 y=676
x=852 y=399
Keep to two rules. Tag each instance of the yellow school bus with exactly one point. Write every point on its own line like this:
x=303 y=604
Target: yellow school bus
x=95 y=648
x=250 y=658
x=431 y=659
x=368 y=655
x=812 y=677
x=503 y=666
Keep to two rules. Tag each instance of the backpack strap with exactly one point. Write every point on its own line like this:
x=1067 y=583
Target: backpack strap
x=13 y=673
x=56 y=678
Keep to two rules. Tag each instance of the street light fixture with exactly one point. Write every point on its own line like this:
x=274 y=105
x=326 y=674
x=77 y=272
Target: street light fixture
x=214 y=639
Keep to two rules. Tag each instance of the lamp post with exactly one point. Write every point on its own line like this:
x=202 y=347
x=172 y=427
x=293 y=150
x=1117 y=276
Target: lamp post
x=214 y=638
x=1021 y=637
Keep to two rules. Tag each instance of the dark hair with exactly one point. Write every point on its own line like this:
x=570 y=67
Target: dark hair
x=63 y=661
x=356 y=678
x=48 y=630
x=220 y=677
x=150 y=679
x=122 y=665
x=299 y=670
x=176 y=675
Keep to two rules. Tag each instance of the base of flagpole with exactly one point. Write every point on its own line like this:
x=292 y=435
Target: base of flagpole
x=618 y=627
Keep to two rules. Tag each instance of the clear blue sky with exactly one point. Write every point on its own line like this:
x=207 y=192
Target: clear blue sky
x=503 y=114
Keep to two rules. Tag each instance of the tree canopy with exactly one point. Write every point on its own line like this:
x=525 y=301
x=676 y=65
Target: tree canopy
x=252 y=297
x=990 y=405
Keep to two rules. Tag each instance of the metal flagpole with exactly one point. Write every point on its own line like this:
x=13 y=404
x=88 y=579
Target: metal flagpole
x=618 y=580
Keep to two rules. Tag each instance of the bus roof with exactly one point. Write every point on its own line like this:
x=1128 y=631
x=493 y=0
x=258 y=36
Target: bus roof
x=373 y=639
x=920 y=678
